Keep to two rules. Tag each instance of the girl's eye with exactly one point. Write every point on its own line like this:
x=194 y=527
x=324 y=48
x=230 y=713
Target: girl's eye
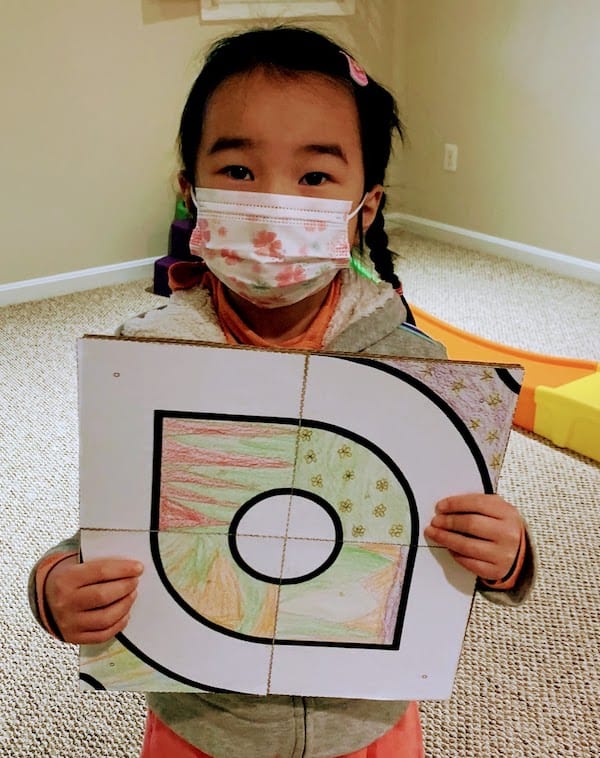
x=241 y=173
x=314 y=178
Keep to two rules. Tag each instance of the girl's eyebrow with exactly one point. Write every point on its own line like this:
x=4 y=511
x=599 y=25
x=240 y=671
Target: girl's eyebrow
x=235 y=143
x=229 y=143
x=329 y=149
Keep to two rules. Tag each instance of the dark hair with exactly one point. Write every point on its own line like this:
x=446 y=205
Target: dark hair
x=287 y=51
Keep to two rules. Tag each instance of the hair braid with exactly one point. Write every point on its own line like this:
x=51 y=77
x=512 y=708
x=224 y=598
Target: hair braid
x=377 y=242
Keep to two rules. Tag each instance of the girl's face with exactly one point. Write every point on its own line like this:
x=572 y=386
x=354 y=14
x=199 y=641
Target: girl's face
x=289 y=136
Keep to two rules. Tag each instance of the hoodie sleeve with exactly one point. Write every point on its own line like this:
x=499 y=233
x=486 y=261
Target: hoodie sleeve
x=37 y=581
x=519 y=592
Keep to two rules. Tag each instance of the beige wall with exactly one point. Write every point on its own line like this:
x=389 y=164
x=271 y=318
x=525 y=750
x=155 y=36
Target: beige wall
x=516 y=85
x=91 y=94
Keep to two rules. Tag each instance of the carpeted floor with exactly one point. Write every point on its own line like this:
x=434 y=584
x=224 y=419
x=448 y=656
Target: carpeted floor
x=528 y=684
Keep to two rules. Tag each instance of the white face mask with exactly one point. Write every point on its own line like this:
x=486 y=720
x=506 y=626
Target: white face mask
x=273 y=250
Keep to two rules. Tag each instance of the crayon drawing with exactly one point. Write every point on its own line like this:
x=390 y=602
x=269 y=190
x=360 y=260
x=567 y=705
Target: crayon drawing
x=319 y=560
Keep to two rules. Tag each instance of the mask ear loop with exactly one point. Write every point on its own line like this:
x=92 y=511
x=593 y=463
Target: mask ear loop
x=358 y=212
x=361 y=235
x=358 y=207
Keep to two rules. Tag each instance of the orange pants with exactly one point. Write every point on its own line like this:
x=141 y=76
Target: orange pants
x=405 y=739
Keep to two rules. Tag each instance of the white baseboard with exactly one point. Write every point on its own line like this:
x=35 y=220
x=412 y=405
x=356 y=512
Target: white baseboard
x=558 y=263
x=75 y=281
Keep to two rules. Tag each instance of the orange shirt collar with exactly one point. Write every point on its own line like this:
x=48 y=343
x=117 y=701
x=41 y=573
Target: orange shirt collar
x=239 y=333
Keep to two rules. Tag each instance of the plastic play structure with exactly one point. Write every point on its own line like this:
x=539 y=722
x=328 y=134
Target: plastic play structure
x=560 y=397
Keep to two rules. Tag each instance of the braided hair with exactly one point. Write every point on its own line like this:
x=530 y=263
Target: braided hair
x=288 y=51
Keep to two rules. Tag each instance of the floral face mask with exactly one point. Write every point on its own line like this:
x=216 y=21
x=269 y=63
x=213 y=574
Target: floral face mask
x=273 y=250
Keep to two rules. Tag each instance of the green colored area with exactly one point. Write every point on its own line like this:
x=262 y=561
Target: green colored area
x=332 y=606
x=116 y=668
x=366 y=494
x=297 y=627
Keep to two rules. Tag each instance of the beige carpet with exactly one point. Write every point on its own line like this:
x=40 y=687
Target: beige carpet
x=528 y=684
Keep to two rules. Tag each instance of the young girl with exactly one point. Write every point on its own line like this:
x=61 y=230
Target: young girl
x=284 y=126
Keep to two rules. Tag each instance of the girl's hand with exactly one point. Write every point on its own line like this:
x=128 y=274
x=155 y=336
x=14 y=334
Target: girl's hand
x=482 y=533
x=90 y=602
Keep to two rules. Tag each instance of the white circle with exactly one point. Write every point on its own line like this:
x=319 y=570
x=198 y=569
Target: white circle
x=287 y=516
x=285 y=536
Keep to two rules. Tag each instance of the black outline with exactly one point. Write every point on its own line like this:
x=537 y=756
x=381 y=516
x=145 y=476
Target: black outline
x=241 y=512
x=92 y=681
x=509 y=380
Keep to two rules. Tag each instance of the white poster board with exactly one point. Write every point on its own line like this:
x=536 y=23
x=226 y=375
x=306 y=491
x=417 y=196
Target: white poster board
x=277 y=501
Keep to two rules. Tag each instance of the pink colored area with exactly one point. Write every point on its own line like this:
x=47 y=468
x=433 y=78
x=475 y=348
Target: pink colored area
x=209 y=428
x=175 y=452
x=176 y=516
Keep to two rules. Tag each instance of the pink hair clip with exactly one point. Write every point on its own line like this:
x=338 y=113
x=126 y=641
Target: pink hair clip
x=358 y=74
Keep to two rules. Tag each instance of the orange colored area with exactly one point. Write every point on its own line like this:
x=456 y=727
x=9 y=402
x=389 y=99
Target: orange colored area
x=539 y=369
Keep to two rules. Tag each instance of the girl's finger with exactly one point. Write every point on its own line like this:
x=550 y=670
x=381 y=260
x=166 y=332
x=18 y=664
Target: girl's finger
x=487 y=559
x=100 y=596
x=468 y=547
x=487 y=505
x=479 y=568
x=104 y=619
x=97 y=637
x=472 y=524
x=107 y=570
